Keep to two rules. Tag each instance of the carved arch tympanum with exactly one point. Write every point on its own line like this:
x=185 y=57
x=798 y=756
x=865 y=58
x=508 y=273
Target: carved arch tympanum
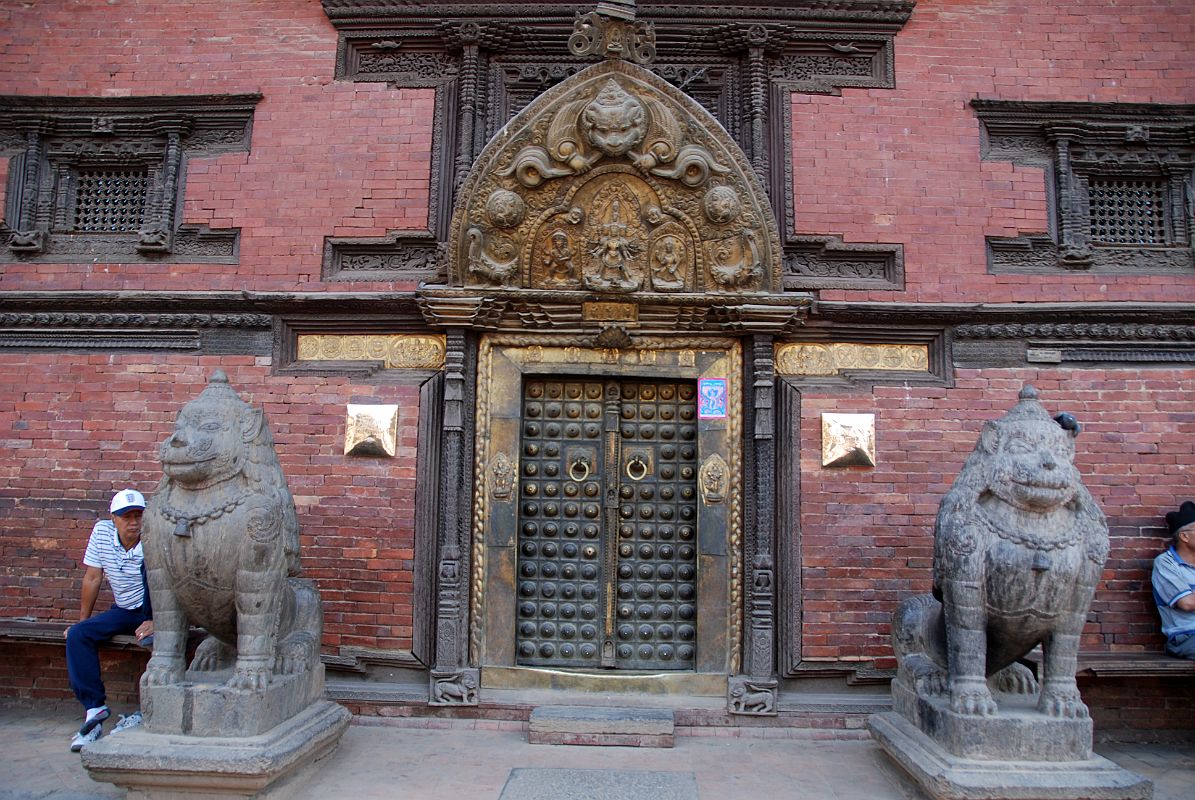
x=614 y=182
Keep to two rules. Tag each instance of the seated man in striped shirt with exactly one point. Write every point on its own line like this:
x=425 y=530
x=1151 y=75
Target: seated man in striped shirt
x=114 y=552
x=1174 y=583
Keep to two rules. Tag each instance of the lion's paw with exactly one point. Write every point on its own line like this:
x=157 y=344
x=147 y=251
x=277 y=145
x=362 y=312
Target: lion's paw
x=293 y=657
x=254 y=678
x=928 y=678
x=166 y=672
x=1065 y=703
x=212 y=655
x=972 y=701
x=1014 y=679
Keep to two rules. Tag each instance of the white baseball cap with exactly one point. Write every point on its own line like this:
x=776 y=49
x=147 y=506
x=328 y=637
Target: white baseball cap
x=126 y=500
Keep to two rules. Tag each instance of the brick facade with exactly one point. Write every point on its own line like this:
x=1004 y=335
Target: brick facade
x=341 y=158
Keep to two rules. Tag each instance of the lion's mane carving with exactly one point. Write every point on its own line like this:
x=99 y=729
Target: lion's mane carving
x=1019 y=545
x=222 y=550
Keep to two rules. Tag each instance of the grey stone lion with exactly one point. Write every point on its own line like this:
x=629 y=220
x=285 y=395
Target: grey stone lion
x=222 y=550
x=1019 y=546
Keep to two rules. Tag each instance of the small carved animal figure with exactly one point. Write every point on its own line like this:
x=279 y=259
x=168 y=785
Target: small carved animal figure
x=222 y=550
x=1018 y=548
x=747 y=699
x=450 y=692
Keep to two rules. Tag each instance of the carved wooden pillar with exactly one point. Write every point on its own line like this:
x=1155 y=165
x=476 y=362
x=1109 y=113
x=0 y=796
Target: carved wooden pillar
x=754 y=692
x=757 y=77
x=27 y=235
x=1073 y=239
x=157 y=234
x=470 y=113
x=452 y=682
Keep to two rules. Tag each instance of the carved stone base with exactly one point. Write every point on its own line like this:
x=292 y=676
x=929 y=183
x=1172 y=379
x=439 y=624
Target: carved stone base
x=945 y=776
x=749 y=696
x=165 y=765
x=454 y=688
x=1018 y=733
x=203 y=706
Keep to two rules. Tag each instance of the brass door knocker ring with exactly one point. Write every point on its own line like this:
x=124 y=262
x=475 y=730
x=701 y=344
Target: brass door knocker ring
x=637 y=468
x=582 y=463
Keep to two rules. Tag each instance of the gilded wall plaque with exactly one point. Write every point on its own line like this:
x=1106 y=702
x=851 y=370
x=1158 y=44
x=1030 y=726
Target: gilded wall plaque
x=610 y=312
x=395 y=351
x=848 y=440
x=831 y=358
x=502 y=477
x=371 y=430
x=714 y=478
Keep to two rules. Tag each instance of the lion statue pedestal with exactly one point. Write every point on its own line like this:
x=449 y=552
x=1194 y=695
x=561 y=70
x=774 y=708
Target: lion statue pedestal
x=221 y=545
x=1019 y=546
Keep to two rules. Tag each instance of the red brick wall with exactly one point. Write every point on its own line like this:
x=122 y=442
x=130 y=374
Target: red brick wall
x=336 y=158
x=327 y=158
x=867 y=534
x=77 y=428
x=38 y=672
x=903 y=165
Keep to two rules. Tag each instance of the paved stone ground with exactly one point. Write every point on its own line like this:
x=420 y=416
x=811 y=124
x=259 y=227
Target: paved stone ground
x=383 y=759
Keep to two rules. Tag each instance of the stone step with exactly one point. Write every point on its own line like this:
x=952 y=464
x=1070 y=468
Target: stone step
x=602 y=725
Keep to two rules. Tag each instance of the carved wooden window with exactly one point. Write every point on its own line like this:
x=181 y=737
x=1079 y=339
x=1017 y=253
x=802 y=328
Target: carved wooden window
x=104 y=199
x=99 y=179
x=1119 y=179
x=1127 y=211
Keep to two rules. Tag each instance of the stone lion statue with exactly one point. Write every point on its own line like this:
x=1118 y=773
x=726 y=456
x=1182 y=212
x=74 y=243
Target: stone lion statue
x=222 y=550
x=1019 y=545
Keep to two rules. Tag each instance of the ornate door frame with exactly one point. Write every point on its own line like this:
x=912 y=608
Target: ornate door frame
x=503 y=362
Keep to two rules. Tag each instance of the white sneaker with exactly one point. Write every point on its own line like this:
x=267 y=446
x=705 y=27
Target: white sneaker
x=95 y=716
x=131 y=721
x=83 y=739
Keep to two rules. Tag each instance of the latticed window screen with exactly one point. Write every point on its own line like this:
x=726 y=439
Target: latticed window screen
x=1128 y=211
x=110 y=200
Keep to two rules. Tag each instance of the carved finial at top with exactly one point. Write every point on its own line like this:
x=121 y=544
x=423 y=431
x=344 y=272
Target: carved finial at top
x=611 y=31
x=617 y=9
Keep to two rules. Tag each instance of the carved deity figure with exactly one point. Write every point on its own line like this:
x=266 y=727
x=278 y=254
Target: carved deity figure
x=558 y=261
x=666 y=263
x=222 y=550
x=1018 y=548
x=612 y=253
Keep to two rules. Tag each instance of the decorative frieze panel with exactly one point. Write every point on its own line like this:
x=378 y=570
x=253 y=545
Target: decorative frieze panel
x=398 y=257
x=104 y=331
x=833 y=358
x=825 y=262
x=395 y=351
x=100 y=179
x=1109 y=343
x=1118 y=184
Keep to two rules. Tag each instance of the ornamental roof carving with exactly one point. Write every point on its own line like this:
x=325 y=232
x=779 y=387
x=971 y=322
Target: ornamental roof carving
x=614 y=182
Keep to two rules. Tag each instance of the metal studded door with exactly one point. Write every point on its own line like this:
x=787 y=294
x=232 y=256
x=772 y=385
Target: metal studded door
x=607 y=525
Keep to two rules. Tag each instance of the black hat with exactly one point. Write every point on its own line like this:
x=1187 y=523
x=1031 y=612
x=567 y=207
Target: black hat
x=1177 y=520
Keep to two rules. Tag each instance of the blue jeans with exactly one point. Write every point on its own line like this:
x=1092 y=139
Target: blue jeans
x=1182 y=646
x=83 y=642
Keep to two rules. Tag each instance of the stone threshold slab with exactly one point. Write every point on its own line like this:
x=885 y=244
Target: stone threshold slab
x=601 y=725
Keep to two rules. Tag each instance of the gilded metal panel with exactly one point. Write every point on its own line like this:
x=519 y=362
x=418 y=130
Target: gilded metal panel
x=831 y=358
x=371 y=430
x=396 y=351
x=848 y=440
